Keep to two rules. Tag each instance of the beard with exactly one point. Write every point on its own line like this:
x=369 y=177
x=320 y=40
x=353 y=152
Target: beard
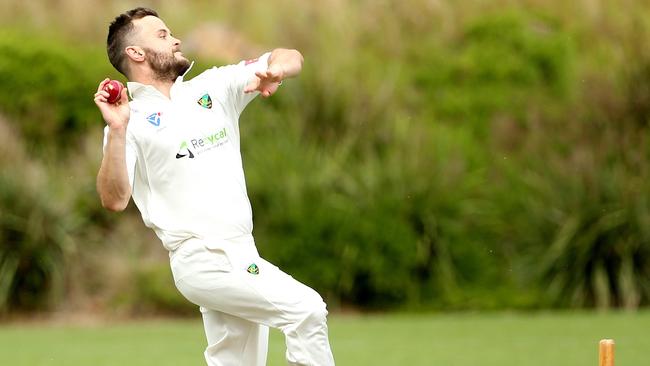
x=166 y=66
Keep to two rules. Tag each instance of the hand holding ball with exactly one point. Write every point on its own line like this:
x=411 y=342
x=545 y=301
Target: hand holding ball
x=114 y=90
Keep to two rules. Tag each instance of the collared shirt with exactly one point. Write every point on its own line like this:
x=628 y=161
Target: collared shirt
x=183 y=155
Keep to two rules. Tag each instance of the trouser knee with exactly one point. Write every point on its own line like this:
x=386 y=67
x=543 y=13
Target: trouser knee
x=318 y=312
x=306 y=335
x=313 y=314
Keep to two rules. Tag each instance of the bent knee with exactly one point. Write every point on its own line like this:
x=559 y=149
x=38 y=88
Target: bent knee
x=315 y=310
x=319 y=310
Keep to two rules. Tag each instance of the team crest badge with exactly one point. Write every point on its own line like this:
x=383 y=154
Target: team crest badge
x=253 y=269
x=205 y=101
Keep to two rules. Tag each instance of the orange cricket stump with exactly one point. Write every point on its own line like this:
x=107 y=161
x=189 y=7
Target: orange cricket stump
x=606 y=352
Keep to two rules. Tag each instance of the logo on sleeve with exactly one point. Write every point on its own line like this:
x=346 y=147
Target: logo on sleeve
x=205 y=101
x=251 y=61
x=154 y=119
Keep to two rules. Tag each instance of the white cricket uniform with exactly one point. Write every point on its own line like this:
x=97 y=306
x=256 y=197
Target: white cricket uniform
x=185 y=168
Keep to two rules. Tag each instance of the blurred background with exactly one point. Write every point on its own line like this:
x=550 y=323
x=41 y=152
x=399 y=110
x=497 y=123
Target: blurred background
x=432 y=156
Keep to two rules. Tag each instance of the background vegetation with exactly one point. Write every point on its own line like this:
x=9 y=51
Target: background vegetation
x=432 y=155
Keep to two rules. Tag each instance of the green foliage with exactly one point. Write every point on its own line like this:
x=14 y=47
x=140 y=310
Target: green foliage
x=47 y=89
x=154 y=292
x=593 y=215
x=451 y=162
x=501 y=64
x=34 y=240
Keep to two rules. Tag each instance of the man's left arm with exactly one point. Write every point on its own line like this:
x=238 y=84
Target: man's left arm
x=282 y=64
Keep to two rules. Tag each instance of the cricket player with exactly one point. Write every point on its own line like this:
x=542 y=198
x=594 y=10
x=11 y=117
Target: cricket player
x=175 y=149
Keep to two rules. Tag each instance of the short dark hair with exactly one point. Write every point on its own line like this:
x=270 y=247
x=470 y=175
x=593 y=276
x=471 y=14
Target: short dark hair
x=117 y=32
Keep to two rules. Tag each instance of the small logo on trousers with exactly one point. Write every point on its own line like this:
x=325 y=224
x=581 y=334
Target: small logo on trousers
x=253 y=269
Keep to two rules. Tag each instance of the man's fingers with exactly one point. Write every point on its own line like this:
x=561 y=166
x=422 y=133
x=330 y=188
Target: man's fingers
x=270 y=75
x=266 y=82
x=102 y=84
x=252 y=86
x=101 y=96
x=274 y=74
x=269 y=89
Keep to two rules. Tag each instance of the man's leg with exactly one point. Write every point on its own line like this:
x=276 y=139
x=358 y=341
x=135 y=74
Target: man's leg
x=233 y=341
x=299 y=312
x=267 y=296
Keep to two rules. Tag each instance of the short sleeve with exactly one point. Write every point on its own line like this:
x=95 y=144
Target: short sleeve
x=227 y=83
x=130 y=155
x=245 y=72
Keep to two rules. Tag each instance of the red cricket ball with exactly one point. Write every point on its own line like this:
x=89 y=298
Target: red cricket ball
x=114 y=89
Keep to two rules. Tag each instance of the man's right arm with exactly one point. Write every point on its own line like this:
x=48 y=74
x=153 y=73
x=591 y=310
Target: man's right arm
x=113 y=184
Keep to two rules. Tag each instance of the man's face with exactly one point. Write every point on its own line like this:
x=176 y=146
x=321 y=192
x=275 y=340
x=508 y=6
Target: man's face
x=162 y=50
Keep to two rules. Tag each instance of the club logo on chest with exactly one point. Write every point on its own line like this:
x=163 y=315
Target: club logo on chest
x=205 y=101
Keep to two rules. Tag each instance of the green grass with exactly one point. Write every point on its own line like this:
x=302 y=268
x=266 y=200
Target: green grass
x=448 y=340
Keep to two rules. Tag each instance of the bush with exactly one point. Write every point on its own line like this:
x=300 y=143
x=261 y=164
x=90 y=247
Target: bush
x=155 y=292
x=34 y=236
x=502 y=64
x=47 y=90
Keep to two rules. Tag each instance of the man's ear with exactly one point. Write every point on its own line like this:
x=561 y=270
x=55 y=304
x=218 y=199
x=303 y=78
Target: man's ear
x=135 y=53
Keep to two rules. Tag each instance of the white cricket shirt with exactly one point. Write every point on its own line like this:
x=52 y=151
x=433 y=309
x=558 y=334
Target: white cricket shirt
x=183 y=155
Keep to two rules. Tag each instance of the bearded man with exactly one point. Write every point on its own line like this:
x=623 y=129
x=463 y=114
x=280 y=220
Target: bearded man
x=175 y=149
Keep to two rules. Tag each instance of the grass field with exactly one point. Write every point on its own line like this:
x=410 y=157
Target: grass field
x=480 y=339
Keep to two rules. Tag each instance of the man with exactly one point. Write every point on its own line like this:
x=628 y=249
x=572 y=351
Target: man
x=175 y=149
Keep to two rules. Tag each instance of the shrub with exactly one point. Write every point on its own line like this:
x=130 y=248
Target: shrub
x=47 y=90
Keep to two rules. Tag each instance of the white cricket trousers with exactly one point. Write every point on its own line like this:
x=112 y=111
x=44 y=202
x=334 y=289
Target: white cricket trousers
x=240 y=295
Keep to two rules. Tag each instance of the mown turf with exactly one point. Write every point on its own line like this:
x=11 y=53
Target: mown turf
x=448 y=340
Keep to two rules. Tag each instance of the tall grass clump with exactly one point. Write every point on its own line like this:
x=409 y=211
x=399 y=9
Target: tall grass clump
x=34 y=235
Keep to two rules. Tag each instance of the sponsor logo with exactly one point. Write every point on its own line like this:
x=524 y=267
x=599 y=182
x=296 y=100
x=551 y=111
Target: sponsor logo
x=154 y=119
x=253 y=269
x=205 y=101
x=198 y=146
x=183 y=151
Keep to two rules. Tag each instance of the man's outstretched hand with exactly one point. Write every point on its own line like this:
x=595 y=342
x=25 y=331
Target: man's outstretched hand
x=266 y=82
